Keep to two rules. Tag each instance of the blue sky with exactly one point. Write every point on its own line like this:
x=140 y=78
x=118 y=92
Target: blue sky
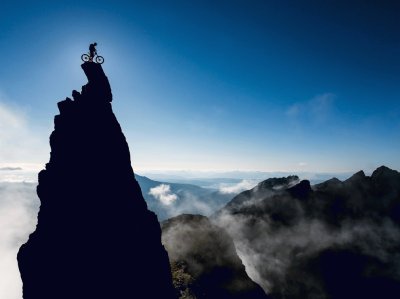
x=212 y=85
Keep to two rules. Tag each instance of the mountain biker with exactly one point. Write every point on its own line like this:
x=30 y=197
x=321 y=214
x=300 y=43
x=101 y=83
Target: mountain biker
x=92 y=50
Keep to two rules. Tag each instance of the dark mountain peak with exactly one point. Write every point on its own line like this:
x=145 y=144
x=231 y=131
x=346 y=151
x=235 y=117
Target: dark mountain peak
x=98 y=82
x=264 y=189
x=384 y=172
x=333 y=180
x=94 y=72
x=331 y=183
x=302 y=190
x=95 y=237
x=357 y=177
x=278 y=183
x=359 y=174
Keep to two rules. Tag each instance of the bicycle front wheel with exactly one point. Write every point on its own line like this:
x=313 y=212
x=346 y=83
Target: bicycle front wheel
x=85 y=57
x=99 y=59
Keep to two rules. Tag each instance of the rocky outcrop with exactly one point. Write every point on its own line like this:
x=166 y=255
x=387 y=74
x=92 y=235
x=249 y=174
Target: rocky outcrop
x=204 y=261
x=95 y=237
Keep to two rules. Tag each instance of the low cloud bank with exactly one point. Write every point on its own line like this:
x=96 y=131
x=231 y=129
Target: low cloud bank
x=169 y=204
x=18 y=209
x=204 y=261
x=163 y=194
x=19 y=142
x=8 y=168
x=304 y=243
x=273 y=256
x=239 y=187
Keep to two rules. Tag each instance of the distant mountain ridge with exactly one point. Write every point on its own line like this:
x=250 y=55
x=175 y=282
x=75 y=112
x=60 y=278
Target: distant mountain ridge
x=190 y=199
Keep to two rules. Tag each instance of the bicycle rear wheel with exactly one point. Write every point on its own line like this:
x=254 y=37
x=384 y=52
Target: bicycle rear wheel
x=99 y=59
x=85 y=57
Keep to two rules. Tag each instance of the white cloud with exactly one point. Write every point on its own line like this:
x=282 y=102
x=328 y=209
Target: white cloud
x=18 y=209
x=239 y=187
x=321 y=106
x=163 y=193
x=19 y=143
x=318 y=109
x=293 y=110
x=23 y=172
x=191 y=204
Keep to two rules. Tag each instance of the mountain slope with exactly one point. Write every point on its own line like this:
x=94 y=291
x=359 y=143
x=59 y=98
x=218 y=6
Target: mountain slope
x=204 y=261
x=333 y=240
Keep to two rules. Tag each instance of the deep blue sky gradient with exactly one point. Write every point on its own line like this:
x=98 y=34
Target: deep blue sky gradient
x=223 y=85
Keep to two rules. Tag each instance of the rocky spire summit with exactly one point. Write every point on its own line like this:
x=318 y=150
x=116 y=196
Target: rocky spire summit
x=95 y=237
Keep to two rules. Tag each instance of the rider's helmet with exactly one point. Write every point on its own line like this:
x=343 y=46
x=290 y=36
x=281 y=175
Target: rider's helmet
x=95 y=44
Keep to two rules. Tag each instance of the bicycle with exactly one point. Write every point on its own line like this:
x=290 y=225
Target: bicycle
x=87 y=58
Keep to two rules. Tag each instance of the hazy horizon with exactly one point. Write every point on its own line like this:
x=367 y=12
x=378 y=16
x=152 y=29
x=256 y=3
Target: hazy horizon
x=19 y=174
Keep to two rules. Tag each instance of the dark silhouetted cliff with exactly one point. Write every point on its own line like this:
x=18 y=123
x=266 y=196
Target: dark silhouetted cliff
x=204 y=261
x=95 y=237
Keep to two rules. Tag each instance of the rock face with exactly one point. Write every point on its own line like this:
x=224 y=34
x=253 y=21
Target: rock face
x=95 y=237
x=204 y=261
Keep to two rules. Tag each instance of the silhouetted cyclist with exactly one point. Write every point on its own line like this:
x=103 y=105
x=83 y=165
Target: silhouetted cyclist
x=92 y=50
